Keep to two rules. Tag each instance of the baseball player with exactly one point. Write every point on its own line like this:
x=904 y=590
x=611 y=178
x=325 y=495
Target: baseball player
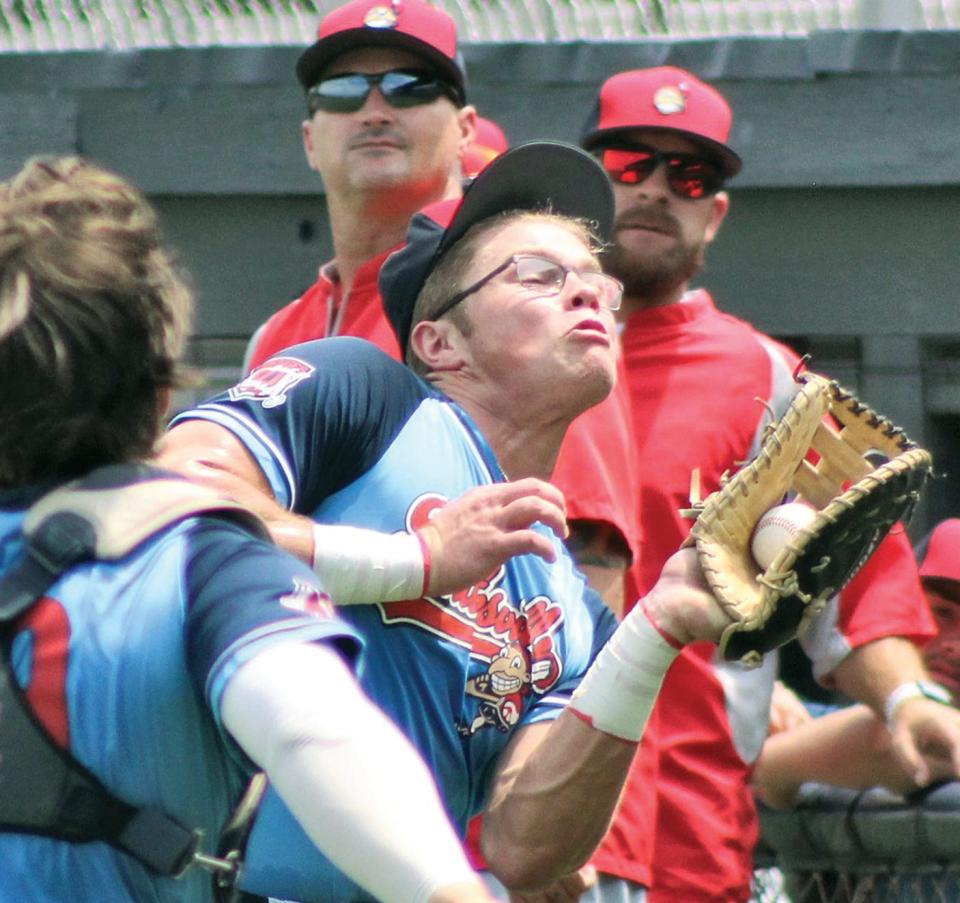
x=693 y=375
x=510 y=319
x=139 y=685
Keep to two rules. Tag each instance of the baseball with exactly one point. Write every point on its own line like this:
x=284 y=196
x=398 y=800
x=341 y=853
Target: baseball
x=776 y=528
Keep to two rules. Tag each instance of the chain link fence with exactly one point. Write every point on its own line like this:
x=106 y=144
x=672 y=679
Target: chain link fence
x=839 y=846
x=53 y=25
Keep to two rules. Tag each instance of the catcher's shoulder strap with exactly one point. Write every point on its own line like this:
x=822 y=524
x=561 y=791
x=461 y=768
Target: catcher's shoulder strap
x=103 y=516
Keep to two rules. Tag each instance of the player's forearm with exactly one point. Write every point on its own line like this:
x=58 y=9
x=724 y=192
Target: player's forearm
x=870 y=673
x=547 y=819
x=849 y=748
x=574 y=776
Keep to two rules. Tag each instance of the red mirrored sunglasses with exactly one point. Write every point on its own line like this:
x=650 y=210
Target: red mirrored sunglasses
x=690 y=176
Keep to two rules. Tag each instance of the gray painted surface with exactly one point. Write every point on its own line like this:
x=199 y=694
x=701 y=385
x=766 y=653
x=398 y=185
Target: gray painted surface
x=843 y=232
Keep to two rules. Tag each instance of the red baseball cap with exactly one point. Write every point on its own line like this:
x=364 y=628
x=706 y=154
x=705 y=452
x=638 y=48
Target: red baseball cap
x=405 y=24
x=489 y=143
x=537 y=176
x=942 y=558
x=666 y=99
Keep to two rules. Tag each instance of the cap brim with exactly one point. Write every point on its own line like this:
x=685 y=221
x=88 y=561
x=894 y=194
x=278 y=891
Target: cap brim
x=537 y=176
x=321 y=54
x=730 y=162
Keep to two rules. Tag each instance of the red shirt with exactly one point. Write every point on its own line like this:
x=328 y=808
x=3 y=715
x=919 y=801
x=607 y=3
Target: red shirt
x=694 y=375
x=322 y=312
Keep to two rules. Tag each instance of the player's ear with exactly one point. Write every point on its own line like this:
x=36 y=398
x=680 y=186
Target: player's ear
x=439 y=344
x=308 y=142
x=467 y=121
x=720 y=204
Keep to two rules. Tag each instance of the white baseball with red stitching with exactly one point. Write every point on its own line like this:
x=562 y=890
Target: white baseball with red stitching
x=777 y=528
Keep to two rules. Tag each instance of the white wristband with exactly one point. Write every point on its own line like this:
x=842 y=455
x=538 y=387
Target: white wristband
x=361 y=566
x=912 y=689
x=618 y=691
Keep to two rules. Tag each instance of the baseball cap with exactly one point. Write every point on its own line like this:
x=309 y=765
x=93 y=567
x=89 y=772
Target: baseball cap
x=411 y=25
x=669 y=100
x=538 y=176
x=942 y=558
x=489 y=143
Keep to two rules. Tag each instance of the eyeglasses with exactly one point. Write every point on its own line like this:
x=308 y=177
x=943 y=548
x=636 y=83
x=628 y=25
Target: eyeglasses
x=400 y=88
x=545 y=277
x=689 y=176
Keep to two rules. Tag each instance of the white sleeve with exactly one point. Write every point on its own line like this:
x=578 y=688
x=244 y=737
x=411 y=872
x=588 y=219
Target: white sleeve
x=350 y=777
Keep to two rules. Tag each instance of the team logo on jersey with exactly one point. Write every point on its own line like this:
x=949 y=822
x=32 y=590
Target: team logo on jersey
x=380 y=17
x=514 y=639
x=670 y=99
x=501 y=690
x=272 y=381
x=306 y=598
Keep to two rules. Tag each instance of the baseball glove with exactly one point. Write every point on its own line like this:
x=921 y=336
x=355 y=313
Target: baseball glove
x=857 y=500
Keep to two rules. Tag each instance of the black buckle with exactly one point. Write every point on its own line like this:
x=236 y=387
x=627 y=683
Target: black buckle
x=62 y=540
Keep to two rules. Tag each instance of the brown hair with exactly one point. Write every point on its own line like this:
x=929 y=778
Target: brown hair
x=445 y=280
x=93 y=321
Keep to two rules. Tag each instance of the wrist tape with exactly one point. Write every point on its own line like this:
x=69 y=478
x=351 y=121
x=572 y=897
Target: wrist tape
x=360 y=566
x=618 y=691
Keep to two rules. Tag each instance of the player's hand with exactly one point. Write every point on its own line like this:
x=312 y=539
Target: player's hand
x=786 y=710
x=681 y=604
x=567 y=890
x=471 y=536
x=926 y=737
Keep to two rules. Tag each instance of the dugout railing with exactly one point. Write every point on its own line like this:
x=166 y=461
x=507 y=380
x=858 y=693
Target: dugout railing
x=841 y=846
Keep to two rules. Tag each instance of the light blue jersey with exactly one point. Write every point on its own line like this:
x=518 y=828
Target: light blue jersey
x=124 y=664
x=347 y=435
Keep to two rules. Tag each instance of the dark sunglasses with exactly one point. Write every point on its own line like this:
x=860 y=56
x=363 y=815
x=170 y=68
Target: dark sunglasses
x=689 y=176
x=545 y=277
x=348 y=92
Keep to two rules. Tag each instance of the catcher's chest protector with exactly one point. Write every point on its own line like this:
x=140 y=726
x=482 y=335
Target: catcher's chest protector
x=43 y=789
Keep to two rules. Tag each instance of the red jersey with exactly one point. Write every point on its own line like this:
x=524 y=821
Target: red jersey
x=694 y=376
x=595 y=472
x=322 y=311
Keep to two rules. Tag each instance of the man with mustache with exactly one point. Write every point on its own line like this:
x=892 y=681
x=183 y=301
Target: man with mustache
x=694 y=375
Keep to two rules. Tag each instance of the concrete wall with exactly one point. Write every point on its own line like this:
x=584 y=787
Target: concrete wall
x=842 y=237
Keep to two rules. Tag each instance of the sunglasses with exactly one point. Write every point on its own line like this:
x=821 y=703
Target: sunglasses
x=689 y=176
x=545 y=277
x=400 y=88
